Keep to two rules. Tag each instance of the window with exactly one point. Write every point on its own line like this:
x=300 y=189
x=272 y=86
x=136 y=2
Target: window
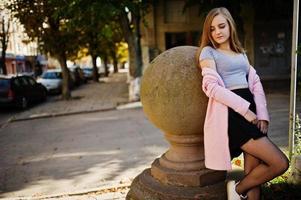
x=181 y=38
x=52 y=75
x=16 y=82
x=23 y=81
x=31 y=81
x=4 y=83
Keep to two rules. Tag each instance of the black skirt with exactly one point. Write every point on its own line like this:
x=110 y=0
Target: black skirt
x=240 y=130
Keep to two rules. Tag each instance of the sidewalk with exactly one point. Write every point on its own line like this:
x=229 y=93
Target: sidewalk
x=92 y=97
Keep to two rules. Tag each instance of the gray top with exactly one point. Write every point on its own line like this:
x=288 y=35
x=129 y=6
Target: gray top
x=232 y=68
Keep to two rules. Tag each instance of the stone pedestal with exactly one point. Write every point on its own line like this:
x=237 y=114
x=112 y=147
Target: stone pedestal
x=173 y=100
x=147 y=187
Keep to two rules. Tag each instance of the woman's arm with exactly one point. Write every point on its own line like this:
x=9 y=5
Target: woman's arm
x=214 y=90
x=260 y=101
x=259 y=96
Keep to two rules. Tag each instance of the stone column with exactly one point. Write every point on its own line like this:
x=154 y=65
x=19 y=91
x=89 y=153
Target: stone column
x=173 y=100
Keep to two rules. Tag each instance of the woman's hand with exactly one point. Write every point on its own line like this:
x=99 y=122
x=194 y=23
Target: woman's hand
x=263 y=126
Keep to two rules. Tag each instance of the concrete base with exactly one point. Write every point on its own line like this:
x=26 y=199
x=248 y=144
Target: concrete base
x=199 y=178
x=145 y=187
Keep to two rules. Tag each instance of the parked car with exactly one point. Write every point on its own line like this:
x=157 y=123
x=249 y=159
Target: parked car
x=78 y=75
x=88 y=72
x=53 y=80
x=20 y=91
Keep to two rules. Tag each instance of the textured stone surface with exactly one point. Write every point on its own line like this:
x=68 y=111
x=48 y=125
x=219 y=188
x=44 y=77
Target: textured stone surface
x=172 y=98
x=171 y=92
x=200 y=178
x=145 y=187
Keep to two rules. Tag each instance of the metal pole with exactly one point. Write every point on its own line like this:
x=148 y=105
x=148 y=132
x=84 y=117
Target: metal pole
x=292 y=114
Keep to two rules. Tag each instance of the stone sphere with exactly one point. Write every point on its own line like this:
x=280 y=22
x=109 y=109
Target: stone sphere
x=171 y=92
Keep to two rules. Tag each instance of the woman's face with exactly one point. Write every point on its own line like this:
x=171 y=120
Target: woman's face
x=219 y=29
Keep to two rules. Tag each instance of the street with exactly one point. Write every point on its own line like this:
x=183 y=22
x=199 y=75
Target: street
x=67 y=154
x=82 y=152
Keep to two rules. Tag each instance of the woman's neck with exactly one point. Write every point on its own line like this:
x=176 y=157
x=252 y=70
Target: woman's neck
x=225 y=46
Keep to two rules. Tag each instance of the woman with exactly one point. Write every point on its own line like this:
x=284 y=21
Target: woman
x=237 y=118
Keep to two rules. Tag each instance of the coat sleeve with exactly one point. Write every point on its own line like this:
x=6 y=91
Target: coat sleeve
x=259 y=96
x=212 y=89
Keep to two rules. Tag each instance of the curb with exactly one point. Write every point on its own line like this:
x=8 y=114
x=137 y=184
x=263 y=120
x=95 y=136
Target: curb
x=96 y=191
x=131 y=105
x=48 y=115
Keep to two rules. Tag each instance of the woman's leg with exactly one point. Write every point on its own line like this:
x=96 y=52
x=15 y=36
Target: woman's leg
x=250 y=163
x=274 y=163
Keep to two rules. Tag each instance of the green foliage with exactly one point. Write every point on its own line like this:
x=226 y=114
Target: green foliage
x=98 y=24
x=65 y=27
x=47 y=21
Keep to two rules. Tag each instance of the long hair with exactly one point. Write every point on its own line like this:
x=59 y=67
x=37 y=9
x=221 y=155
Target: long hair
x=207 y=40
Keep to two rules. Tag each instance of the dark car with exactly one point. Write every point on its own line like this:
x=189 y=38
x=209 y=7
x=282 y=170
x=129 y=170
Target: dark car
x=78 y=75
x=20 y=91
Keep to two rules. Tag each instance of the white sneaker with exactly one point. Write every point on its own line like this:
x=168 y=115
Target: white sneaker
x=231 y=192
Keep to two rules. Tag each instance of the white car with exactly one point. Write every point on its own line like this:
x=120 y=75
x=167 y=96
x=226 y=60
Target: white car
x=52 y=79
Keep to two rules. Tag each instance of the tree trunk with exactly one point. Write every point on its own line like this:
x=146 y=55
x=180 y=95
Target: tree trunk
x=95 y=69
x=122 y=65
x=2 y=63
x=66 y=93
x=115 y=64
x=115 y=61
x=4 y=40
x=137 y=44
x=105 y=60
x=132 y=58
x=135 y=54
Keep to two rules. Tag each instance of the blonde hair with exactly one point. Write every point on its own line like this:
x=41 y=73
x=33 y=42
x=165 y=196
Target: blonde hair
x=207 y=40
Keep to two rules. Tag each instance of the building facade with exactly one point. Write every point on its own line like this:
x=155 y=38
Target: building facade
x=266 y=35
x=22 y=54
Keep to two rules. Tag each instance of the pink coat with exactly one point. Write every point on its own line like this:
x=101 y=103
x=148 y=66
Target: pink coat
x=217 y=154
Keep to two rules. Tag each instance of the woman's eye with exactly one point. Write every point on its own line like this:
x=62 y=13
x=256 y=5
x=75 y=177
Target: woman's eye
x=222 y=27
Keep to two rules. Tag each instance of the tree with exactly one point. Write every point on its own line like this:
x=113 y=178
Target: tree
x=114 y=37
x=87 y=16
x=100 y=32
x=5 y=21
x=48 y=21
x=130 y=14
